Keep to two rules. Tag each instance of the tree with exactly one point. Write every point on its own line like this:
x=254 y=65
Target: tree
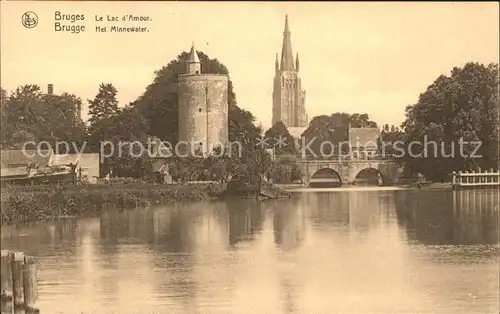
x=126 y=131
x=388 y=143
x=20 y=137
x=361 y=121
x=104 y=103
x=109 y=122
x=3 y=96
x=286 y=170
x=3 y=115
x=279 y=138
x=28 y=114
x=455 y=108
x=24 y=112
x=65 y=123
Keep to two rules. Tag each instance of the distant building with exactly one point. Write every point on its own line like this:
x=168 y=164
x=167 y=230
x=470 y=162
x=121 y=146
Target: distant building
x=363 y=142
x=203 y=108
x=26 y=158
x=159 y=159
x=288 y=96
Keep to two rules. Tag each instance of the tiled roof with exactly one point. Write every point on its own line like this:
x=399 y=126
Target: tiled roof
x=363 y=137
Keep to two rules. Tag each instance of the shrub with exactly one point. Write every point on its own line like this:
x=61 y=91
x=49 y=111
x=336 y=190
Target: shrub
x=25 y=204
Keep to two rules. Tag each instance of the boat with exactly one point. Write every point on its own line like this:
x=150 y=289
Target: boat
x=253 y=186
x=43 y=175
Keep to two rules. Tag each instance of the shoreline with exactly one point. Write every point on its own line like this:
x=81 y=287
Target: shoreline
x=25 y=204
x=295 y=188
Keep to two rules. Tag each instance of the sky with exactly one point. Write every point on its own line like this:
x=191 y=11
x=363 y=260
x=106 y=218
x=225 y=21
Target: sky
x=373 y=58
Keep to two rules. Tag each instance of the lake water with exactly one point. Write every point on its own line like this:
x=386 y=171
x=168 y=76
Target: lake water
x=331 y=252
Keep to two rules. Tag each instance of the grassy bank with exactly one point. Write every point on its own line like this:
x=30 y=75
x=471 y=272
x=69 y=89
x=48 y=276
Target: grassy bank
x=26 y=204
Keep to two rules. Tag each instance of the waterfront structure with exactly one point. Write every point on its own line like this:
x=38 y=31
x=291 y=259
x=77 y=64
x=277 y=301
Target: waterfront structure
x=203 y=108
x=346 y=171
x=288 y=96
x=476 y=180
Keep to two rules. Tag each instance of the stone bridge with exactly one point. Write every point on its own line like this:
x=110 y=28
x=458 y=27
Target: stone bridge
x=347 y=170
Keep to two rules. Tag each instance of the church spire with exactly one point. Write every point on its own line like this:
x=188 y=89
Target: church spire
x=276 y=64
x=286 y=51
x=297 y=63
x=193 y=62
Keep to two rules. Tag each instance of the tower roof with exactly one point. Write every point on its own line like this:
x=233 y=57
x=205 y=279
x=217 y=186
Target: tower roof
x=193 y=56
x=286 y=50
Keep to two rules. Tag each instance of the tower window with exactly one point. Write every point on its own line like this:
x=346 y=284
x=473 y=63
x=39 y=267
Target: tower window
x=197 y=72
x=199 y=109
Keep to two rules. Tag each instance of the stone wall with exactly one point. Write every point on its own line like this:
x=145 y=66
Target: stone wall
x=203 y=109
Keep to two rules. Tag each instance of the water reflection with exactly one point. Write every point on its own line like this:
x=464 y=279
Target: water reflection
x=289 y=224
x=245 y=220
x=443 y=217
x=375 y=252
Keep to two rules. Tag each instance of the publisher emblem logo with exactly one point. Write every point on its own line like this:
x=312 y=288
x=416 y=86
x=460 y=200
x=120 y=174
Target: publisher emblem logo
x=29 y=19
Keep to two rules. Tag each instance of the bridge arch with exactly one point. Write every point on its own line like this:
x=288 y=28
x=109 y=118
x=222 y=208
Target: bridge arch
x=325 y=177
x=370 y=176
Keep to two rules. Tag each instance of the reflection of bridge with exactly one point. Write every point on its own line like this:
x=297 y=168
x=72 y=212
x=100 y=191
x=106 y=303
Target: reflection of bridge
x=346 y=170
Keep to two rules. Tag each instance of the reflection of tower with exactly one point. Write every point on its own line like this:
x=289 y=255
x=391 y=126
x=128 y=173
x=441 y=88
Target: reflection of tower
x=289 y=225
x=203 y=108
x=245 y=223
x=331 y=209
x=366 y=212
x=161 y=225
x=289 y=294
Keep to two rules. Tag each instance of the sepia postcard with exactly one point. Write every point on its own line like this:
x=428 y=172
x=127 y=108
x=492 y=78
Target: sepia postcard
x=249 y=157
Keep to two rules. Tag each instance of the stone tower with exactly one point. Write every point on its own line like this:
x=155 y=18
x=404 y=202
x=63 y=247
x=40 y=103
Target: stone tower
x=203 y=108
x=288 y=96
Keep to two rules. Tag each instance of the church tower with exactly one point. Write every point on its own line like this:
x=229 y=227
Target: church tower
x=288 y=96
